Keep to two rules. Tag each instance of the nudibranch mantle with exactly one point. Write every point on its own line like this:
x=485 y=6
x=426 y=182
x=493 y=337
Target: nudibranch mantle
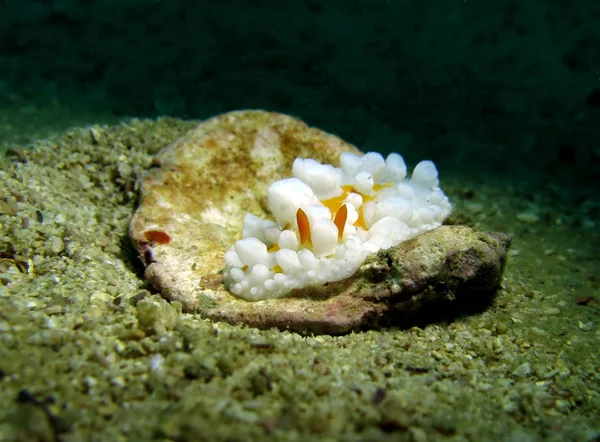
x=327 y=220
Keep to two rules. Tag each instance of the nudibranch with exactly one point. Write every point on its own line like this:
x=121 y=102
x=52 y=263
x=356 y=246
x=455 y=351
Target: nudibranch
x=327 y=220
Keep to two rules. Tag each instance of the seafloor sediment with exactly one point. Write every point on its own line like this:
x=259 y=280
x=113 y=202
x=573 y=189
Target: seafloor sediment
x=88 y=350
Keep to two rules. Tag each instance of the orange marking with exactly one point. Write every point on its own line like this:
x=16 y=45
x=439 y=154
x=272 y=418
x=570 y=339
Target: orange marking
x=273 y=247
x=334 y=204
x=340 y=220
x=303 y=228
x=360 y=222
x=157 y=237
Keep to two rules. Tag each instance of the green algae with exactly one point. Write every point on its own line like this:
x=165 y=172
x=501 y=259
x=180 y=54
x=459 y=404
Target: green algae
x=89 y=351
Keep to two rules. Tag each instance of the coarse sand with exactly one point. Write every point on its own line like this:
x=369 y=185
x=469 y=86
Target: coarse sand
x=89 y=351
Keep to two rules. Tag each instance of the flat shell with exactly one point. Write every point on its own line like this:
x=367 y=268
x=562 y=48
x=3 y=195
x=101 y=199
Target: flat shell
x=193 y=202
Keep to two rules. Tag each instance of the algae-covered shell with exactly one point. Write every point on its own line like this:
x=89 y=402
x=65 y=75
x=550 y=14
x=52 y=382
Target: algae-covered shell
x=192 y=206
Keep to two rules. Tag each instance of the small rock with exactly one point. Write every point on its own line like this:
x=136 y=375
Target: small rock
x=522 y=370
x=528 y=217
x=60 y=219
x=155 y=316
x=57 y=245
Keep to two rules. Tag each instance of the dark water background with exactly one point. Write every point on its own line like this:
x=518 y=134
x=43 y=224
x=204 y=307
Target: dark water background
x=508 y=88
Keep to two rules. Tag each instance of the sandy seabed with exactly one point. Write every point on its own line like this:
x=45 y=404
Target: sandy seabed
x=89 y=351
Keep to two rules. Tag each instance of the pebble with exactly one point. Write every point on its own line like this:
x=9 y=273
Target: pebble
x=523 y=370
x=57 y=245
x=528 y=217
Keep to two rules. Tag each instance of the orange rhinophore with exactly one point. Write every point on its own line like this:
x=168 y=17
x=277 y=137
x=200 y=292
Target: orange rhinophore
x=303 y=228
x=340 y=220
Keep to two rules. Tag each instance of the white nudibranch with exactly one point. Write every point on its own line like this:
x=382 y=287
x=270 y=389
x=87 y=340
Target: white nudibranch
x=328 y=220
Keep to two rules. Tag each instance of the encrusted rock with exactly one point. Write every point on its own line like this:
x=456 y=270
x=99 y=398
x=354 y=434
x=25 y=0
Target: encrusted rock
x=192 y=208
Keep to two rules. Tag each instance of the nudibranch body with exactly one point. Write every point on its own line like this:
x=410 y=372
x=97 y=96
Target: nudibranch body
x=327 y=220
